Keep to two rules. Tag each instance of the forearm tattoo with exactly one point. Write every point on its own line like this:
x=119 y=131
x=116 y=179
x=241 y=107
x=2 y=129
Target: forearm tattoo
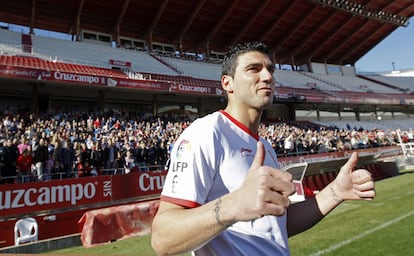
x=335 y=196
x=217 y=209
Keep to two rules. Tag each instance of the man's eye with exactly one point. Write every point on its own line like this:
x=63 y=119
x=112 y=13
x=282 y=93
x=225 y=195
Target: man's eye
x=255 y=69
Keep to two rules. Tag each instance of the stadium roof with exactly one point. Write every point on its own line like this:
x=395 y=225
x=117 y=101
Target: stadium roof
x=297 y=31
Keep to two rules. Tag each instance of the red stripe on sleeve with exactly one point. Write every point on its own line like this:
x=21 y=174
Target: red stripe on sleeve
x=181 y=202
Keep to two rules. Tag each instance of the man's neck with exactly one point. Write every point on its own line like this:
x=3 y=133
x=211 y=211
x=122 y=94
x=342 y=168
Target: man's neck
x=250 y=118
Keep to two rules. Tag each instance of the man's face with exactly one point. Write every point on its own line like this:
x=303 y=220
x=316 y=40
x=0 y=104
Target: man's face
x=252 y=85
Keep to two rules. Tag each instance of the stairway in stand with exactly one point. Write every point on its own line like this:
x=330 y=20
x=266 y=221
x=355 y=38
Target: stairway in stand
x=26 y=43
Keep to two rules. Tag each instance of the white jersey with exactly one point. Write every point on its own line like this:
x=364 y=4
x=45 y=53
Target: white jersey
x=210 y=159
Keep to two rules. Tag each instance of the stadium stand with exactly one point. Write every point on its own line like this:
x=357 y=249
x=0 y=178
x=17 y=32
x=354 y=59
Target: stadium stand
x=27 y=43
x=199 y=69
x=391 y=124
x=309 y=183
x=301 y=80
x=10 y=37
x=37 y=63
x=406 y=84
x=166 y=68
x=96 y=54
x=10 y=42
x=353 y=83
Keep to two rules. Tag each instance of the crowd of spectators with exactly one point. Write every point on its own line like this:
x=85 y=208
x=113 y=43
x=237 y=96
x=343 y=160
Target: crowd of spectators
x=300 y=139
x=43 y=147
x=83 y=144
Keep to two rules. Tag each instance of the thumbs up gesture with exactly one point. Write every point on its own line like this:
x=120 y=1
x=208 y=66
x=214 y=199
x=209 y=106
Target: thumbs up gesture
x=265 y=190
x=353 y=184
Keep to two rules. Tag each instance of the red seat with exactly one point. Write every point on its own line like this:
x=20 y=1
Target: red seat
x=331 y=176
x=325 y=178
x=318 y=181
x=309 y=186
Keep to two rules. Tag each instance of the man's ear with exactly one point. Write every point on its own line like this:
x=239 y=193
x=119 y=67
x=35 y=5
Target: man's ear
x=227 y=83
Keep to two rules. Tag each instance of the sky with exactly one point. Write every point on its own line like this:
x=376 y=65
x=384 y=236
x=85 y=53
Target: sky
x=397 y=48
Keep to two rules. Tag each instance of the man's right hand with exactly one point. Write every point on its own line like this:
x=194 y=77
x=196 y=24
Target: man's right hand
x=265 y=191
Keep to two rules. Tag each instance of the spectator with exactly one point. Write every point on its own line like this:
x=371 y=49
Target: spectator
x=130 y=161
x=41 y=155
x=162 y=153
x=24 y=166
x=109 y=154
x=11 y=154
x=23 y=145
x=57 y=170
x=142 y=155
x=82 y=168
x=68 y=157
x=151 y=154
x=2 y=158
x=96 y=155
x=119 y=162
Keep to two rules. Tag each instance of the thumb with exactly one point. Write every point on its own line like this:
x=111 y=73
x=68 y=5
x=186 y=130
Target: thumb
x=351 y=163
x=259 y=156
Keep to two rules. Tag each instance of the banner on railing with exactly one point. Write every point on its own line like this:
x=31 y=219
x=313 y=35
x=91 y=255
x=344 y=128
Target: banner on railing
x=87 y=79
x=52 y=75
x=120 y=63
x=17 y=199
x=380 y=152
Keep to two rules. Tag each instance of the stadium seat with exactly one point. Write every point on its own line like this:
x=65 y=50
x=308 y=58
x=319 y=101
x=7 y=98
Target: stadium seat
x=331 y=176
x=325 y=178
x=25 y=230
x=318 y=181
x=308 y=191
x=310 y=187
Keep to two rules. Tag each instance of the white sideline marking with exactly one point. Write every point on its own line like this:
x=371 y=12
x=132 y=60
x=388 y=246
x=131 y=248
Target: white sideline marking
x=383 y=225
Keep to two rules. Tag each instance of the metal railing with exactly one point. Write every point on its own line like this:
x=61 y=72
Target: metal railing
x=33 y=177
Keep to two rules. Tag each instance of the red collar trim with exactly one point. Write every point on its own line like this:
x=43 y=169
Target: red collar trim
x=240 y=125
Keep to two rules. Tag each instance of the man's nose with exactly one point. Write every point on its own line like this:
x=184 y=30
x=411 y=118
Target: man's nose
x=266 y=75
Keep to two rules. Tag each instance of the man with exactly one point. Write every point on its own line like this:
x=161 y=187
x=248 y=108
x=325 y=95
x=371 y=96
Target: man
x=24 y=165
x=41 y=155
x=223 y=194
x=23 y=145
x=110 y=152
x=9 y=154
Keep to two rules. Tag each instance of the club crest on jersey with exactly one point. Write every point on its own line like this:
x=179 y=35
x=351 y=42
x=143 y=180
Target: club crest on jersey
x=183 y=147
x=175 y=181
x=246 y=152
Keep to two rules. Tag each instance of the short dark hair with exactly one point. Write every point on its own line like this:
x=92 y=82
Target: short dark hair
x=230 y=59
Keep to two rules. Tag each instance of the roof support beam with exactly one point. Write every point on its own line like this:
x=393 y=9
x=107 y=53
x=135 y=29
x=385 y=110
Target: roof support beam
x=223 y=18
x=325 y=40
x=32 y=17
x=276 y=21
x=249 y=22
x=77 y=20
x=361 y=27
x=179 y=38
x=155 y=22
x=117 y=26
x=292 y=31
x=362 y=10
x=346 y=57
x=377 y=35
x=313 y=33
